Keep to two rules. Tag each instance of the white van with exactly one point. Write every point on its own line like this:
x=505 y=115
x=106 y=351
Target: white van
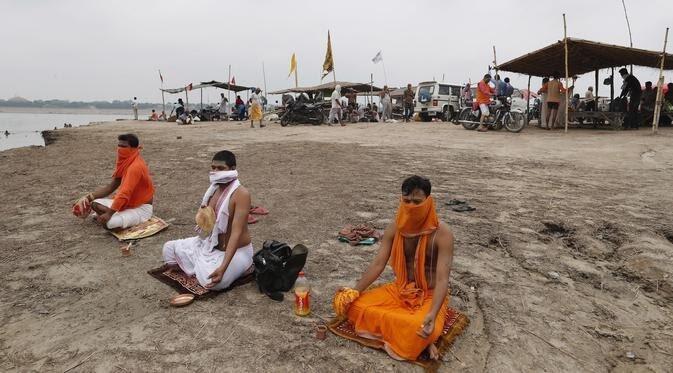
x=437 y=100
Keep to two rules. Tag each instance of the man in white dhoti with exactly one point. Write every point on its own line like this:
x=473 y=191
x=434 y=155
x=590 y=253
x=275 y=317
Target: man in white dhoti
x=222 y=252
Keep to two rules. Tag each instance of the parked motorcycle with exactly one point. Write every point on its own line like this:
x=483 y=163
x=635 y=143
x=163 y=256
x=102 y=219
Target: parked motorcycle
x=500 y=115
x=534 y=112
x=301 y=111
x=210 y=113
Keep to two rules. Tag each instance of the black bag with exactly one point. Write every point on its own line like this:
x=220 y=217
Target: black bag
x=277 y=267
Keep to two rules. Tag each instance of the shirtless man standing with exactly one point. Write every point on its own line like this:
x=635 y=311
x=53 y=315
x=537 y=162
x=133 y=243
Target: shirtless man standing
x=407 y=314
x=222 y=252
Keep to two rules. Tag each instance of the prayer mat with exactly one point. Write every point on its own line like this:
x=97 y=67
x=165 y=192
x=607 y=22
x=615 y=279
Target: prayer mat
x=143 y=230
x=178 y=280
x=454 y=325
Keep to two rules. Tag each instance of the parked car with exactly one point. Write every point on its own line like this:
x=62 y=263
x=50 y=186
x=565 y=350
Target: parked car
x=437 y=100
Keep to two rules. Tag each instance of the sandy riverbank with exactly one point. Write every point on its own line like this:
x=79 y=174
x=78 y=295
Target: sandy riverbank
x=566 y=264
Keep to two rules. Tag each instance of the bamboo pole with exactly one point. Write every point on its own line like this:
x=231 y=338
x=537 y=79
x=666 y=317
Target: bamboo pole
x=660 y=88
x=565 y=47
x=201 y=90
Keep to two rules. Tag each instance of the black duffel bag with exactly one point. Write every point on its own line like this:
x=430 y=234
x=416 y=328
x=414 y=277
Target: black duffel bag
x=277 y=267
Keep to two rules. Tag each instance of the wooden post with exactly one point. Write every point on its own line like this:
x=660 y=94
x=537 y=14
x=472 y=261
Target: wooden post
x=612 y=85
x=186 y=101
x=528 y=102
x=201 y=90
x=371 y=88
x=264 y=75
x=596 y=91
x=565 y=47
x=660 y=88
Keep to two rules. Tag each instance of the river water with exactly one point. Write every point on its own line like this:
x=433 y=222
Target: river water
x=25 y=128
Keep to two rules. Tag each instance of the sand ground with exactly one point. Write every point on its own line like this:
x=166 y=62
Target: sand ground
x=565 y=266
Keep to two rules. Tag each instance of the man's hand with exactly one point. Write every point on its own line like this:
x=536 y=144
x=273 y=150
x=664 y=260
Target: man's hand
x=215 y=277
x=104 y=218
x=428 y=326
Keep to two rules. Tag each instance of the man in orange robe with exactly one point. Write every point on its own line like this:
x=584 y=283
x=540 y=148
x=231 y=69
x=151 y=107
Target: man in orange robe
x=132 y=204
x=408 y=314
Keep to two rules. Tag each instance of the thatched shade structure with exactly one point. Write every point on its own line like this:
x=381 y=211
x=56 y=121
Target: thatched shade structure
x=583 y=56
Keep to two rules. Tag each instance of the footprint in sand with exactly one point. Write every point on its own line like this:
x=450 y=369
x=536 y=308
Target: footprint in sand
x=648 y=156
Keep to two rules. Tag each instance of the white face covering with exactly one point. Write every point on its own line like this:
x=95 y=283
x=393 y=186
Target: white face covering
x=223 y=177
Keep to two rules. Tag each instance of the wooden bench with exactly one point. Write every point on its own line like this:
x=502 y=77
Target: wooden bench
x=614 y=119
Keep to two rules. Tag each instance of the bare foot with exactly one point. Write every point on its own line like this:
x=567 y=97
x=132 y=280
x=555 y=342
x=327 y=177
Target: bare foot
x=433 y=352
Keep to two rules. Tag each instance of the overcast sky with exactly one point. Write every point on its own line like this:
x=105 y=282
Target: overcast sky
x=103 y=50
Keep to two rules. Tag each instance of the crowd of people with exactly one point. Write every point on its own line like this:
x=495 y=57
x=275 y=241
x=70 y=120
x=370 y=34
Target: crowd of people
x=406 y=314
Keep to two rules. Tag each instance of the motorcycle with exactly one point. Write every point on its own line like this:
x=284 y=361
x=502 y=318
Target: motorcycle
x=500 y=115
x=300 y=111
x=210 y=113
x=534 y=112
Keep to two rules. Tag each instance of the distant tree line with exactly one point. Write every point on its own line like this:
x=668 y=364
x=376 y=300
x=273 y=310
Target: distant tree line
x=116 y=104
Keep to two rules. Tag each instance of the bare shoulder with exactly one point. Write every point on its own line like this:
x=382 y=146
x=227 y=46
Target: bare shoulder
x=444 y=233
x=241 y=194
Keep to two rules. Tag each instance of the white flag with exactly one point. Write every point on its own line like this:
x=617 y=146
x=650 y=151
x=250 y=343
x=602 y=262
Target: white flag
x=378 y=58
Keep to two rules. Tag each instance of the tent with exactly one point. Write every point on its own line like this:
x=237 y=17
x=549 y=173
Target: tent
x=327 y=88
x=213 y=83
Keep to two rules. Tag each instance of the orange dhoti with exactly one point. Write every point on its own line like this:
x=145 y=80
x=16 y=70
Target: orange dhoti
x=394 y=313
x=382 y=314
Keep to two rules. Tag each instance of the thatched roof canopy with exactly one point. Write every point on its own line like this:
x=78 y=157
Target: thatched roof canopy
x=583 y=56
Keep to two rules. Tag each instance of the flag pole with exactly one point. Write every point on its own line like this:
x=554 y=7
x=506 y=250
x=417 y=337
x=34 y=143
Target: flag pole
x=495 y=62
x=264 y=74
x=229 y=85
x=660 y=89
x=163 y=101
x=565 y=47
x=333 y=69
x=385 y=75
x=296 y=78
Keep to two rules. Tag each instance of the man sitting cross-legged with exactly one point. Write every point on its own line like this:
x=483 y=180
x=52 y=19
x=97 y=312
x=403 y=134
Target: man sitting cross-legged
x=223 y=250
x=132 y=204
x=408 y=314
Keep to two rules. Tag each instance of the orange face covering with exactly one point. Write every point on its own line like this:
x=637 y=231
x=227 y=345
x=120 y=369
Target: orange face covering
x=125 y=156
x=413 y=221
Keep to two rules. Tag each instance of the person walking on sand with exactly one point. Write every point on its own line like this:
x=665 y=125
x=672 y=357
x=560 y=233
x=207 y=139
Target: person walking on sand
x=335 y=111
x=409 y=95
x=256 y=109
x=134 y=106
x=386 y=105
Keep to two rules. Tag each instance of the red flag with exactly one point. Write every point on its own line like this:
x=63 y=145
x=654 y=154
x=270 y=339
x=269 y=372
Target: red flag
x=233 y=80
x=189 y=87
x=161 y=77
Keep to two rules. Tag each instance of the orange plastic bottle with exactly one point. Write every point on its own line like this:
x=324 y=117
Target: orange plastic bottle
x=302 y=290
